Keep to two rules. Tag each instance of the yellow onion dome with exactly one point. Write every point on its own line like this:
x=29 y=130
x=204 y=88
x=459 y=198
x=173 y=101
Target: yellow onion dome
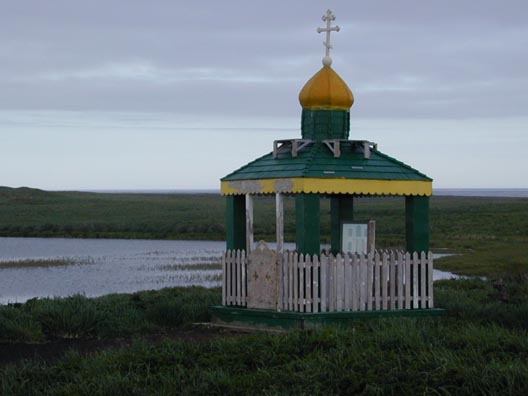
x=326 y=91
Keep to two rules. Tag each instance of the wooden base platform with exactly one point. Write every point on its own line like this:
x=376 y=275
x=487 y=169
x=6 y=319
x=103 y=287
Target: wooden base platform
x=268 y=319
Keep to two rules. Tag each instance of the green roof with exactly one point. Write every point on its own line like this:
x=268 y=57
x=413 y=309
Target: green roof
x=318 y=161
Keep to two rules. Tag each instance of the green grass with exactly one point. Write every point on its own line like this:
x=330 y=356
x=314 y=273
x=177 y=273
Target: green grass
x=36 y=263
x=195 y=267
x=114 y=315
x=480 y=347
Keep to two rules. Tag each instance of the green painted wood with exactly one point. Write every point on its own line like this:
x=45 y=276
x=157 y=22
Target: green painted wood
x=325 y=124
x=236 y=222
x=307 y=208
x=316 y=160
x=341 y=209
x=262 y=319
x=417 y=224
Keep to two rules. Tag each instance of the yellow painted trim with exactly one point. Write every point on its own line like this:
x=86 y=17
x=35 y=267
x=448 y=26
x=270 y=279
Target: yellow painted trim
x=328 y=186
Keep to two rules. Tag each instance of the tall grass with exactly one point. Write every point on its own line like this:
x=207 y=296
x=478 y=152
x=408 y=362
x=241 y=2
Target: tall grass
x=119 y=315
x=406 y=356
x=479 y=347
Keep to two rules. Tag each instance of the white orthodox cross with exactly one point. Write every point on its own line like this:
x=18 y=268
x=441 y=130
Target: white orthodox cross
x=328 y=18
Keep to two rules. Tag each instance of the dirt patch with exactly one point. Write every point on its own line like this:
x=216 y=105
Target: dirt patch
x=55 y=349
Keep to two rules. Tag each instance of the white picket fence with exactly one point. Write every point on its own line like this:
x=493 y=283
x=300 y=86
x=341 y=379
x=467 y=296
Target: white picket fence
x=385 y=280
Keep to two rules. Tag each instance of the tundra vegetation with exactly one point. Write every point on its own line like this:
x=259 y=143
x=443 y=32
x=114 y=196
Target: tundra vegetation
x=479 y=347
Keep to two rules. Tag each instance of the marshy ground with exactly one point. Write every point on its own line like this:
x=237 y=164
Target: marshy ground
x=144 y=343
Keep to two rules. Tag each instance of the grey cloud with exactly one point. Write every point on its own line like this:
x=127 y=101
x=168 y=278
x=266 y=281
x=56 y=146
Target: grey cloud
x=401 y=59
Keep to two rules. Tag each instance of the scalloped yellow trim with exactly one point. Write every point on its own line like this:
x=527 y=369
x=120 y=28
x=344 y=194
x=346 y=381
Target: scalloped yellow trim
x=328 y=186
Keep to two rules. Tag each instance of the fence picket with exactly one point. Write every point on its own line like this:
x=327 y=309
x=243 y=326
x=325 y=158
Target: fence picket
x=324 y=283
x=415 y=265
x=308 y=283
x=370 y=275
x=362 y=282
x=347 y=283
x=238 y=281
x=392 y=281
x=315 y=288
x=423 y=275
x=430 y=280
x=384 y=276
x=408 y=281
x=399 y=284
x=332 y=283
x=339 y=283
x=377 y=281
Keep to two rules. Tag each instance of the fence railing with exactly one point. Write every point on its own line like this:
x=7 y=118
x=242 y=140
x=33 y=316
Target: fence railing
x=385 y=280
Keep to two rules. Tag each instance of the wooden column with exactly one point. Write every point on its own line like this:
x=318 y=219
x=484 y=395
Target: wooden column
x=341 y=209
x=279 y=214
x=307 y=224
x=417 y=224
x=249 y=223
x=236 y=222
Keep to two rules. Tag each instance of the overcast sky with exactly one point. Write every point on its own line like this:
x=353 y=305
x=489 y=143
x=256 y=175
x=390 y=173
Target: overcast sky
x=176 y=94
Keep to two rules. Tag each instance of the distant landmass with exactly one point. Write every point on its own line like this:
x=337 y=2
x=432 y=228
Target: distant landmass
x=457 y=192
x=460 y=192
x=483 y=192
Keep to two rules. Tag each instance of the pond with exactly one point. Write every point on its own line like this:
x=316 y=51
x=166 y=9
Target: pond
x=102 y=266
x=95 y=267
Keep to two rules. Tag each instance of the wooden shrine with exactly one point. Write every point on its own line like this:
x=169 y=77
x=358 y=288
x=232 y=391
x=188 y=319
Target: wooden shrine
x=265 y=287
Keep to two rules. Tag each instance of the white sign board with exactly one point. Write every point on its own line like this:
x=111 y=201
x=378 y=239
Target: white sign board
x=354 y=238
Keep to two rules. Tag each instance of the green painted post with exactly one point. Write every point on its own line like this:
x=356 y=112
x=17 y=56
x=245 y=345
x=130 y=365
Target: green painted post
x=417 y=224
x=236 y=222
x=341 y=209
x=307 y=210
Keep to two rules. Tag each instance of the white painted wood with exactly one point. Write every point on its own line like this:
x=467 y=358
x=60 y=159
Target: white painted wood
x=302 y=284
x=430 y=280
x=324 y=283
x=315 y=283
x=370 y=279
x=290 y=280
x=384 y=280
x=351 y=282
x=279 y=214
x=224 y=273
x=408 y=280
x=243 y=273
x=392 y=281
x=296 y=282
x=308 y=283
x=377 y=281
x=356 y=282
x=339 y=283
x=423 y=273
x=238 y=277
x=399 y=288
x=415 y=264
x=362 y=282
x=228 y=277
x=328 y=18
x=331 y=284
x=371 y=239
x=347 y=282
x=249 y=223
